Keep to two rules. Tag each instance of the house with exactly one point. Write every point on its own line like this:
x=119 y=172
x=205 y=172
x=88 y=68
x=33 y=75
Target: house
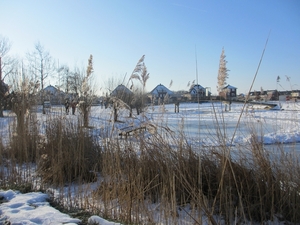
x=295 y=94
x=197 y=91
x=123 y=93
x=161 y=94
x=121 y=90
x=258 y=95
x=229 y=92
x=181 y=96
x=268 y=95
x=272 y=95
x=53 y=95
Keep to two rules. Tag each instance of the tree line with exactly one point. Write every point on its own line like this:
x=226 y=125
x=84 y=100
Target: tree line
x=27 y=77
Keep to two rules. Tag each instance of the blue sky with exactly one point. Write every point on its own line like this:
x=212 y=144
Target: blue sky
x=169 y=33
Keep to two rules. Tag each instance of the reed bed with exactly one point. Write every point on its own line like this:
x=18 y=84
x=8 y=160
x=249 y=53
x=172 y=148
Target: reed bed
x=151 y=179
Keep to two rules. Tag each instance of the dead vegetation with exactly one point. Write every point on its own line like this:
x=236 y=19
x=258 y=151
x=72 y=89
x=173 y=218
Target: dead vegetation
x=154 y=179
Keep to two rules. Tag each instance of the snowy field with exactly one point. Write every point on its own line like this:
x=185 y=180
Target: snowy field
x=199 y=122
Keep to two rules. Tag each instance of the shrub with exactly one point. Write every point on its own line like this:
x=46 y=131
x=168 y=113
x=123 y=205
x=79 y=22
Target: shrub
x=69 y=154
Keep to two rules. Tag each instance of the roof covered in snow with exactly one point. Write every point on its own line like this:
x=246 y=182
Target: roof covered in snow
x=161 y=89
x=51 y=89
x=229 y=87
x=121 y=89
x=196 y=87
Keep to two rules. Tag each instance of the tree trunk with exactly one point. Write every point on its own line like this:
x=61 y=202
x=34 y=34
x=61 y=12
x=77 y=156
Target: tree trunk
x=86 y=119
x=85 y=115
x=115 y=114
x=1 y=107
x=1 y=97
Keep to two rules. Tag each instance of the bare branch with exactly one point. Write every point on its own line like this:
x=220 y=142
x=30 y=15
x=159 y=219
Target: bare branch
x=41 y=63
x=7 y=63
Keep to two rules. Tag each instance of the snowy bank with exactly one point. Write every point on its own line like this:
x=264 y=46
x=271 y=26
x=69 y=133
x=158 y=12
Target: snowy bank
x=34 y=209
x=30 y=208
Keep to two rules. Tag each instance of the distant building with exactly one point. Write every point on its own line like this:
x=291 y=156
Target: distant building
x=272 y=95
x=121 y=90
x=295 y=94
x=229 y=92
x=123 y=93
x=197 y=92
x=53 y=95
x=161 y=94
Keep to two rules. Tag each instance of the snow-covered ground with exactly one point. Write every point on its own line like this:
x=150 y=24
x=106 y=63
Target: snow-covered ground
x=33 y=208
x=202 y=121
x=199 y=122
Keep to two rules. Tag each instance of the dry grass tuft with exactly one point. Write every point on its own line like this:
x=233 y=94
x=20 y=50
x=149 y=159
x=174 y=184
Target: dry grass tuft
x=69 y=154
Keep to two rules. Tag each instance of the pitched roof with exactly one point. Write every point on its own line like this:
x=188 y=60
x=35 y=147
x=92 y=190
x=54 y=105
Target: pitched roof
x=121 y=89
x=51 y=89
x=161 y=88
x=196 y=87
x=229 y=87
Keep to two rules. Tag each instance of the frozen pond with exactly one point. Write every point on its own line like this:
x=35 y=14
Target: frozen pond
x=205 y=124
x=208 y=122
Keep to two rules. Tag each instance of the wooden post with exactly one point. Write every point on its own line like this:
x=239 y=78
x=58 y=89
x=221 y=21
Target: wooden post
x=177 y=107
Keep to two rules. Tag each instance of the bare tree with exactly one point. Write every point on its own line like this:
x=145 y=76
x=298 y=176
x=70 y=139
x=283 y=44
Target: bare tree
x=139 y=99
x=7 y=64
x=222 y=73
x=22 y=97
x=63 y=74
x=115 y=97
x=70 y=81
x=112 y=82
x=133 y=97
x=74 y=81
x=42 y=66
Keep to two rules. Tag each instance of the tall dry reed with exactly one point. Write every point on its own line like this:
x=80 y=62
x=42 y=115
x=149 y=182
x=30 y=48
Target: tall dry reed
x=158 y=178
